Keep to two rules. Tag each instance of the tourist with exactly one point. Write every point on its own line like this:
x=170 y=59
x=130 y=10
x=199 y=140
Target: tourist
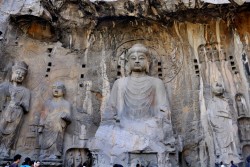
x=248 y=161
x=26 y=162
x=221 y=164
x=17 y=159
x=37 y=164
x=232 y=164
x=31 y=163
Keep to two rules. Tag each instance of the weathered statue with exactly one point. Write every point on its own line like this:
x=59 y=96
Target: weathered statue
x=220 y=119
x=202 y=53
x=54 y=120
x=241 y=105
x=70 y=160
x=139 y=106
x=138 y=97
x=78 y=159
x=14 y=102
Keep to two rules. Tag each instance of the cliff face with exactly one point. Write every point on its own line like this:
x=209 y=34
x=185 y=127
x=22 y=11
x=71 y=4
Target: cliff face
x=196 y=46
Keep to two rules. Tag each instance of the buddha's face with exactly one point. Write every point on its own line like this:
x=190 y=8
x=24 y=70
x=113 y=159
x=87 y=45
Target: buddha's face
x=218 y=89
x=18 y=75
x=58 y=90
x=138 y=62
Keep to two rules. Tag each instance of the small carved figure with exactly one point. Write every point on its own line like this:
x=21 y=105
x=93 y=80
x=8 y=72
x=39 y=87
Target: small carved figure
x=78 y=159
x=241 y=105
x=245 y=63
x=54 y=120
x=220 y=120
x=202 y=53
x=209 y=52
x=70 y=160
x=14 y=102
x=83 y=132
x=215 y=52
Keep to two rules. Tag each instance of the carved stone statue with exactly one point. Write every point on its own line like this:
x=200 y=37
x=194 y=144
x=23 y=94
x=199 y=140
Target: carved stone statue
x=78 y=159
x=220 y=120
x=241 y=105
x=70 y=160
x=202 y=53
x=54 y=120
x=14 y=102
x=139 y=106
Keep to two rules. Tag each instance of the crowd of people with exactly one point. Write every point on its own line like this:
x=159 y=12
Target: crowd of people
x=30 y=163
x=27 y=162
x=221 y=164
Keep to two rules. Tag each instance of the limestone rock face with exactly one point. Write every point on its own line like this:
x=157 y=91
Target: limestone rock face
x=199 y=55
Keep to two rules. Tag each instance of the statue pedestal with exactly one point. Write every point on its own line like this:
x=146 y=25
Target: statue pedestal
x=115 y=144
x=52 y=162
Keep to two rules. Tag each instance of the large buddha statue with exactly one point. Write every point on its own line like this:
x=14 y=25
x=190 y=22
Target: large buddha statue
x=14 y=102
x=137 y=116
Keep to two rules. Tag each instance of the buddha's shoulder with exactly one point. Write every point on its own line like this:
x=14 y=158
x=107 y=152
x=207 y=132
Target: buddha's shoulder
x=121 y=80
x=155 y=80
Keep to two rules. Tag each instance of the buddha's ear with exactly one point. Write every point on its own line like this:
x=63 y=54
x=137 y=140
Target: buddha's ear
x=147 y=66
x=127 y=69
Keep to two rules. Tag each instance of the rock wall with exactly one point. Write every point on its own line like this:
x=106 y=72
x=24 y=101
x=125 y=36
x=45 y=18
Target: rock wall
x=193 y=46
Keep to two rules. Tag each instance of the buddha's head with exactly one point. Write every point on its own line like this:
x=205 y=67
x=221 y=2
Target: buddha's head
x=58 y=89
x=19 y=71
x=218 y=88
x=138 y=59
x=202 y=50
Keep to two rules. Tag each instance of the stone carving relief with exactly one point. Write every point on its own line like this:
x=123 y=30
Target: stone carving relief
x=138 y=110
x=14 y=103
x=136 y=127
x=220 y=120
x=87 y=103
x=76 y=157
x=245 y=63
x=241 y=105
x=53 y=121
x=244 y=128
x=149 y=160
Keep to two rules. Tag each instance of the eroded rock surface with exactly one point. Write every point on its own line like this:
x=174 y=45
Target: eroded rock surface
x=195 y=46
